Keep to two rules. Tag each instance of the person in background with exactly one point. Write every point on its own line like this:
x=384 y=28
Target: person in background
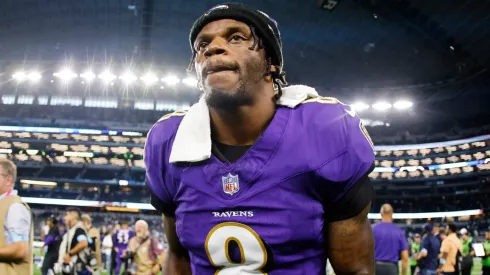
x=442 y=234
x=44 y=229
x=144 y=251
x=107 y=250
x=437 y=230
x=414 y=252
x=93 y=240
x=429 y=253
x=74 y=250
x=467 y=253
x=120 y=241
x=450 y=248
x=486 y=259
x=114 y=253
x=52 y=242
x=390 y=244
x=16 y=255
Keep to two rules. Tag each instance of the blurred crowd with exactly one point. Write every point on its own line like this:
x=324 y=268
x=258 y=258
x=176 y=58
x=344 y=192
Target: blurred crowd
x=76 y=243
x=439 y=248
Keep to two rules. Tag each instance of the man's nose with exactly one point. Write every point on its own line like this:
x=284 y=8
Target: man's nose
x=216 y=47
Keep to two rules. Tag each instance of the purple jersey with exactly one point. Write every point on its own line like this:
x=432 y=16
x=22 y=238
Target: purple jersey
x=265 y=213
x=121 y=238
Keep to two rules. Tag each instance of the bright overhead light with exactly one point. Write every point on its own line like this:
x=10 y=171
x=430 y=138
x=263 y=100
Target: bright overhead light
x=190 y=81
x=88 y=75
x=65 y=74
x=171 y=80
x=123 y=183
x=128 y=77
x=107 y=76
x=149 y=79
x=34 y=76
x=403 y=104
x=19 y=76
x=382 y=106
x=360 y=106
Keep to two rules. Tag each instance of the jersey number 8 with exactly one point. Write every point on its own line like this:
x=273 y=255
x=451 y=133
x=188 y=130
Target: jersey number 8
x=253 y=254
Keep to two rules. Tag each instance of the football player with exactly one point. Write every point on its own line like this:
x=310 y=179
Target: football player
x=283 y=188
x=120 y=241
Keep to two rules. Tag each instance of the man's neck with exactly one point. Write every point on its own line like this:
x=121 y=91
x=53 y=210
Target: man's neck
x=244 y=125
x=387 y=219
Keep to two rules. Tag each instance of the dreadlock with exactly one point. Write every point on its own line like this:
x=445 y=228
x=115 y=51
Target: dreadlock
x=278 y=77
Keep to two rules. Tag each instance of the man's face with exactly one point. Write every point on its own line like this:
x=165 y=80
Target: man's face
x=50 y=224
x=228 y=70
x=5 y=181
x=87 y=225
x=464 y=237
x=417 y=240
x=141 y=230
x=124 y=226
x=487 y=235
x=69 y=217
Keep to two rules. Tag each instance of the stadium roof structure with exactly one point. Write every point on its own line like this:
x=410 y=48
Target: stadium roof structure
x=432 y=52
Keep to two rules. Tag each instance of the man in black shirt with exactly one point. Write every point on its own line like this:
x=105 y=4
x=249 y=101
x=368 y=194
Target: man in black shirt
x=52 y=243
x=74 y=246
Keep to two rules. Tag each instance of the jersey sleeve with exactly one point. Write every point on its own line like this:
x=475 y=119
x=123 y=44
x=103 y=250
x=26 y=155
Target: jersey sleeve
x=158 y=180
x=347 y=189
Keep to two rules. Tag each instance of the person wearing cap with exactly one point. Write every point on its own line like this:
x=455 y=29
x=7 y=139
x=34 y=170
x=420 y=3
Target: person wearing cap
x=429 y=253
x=51 y=246
x=486 y=259
x=468 y=252
x=390 y=244
x=257 y=177
x=414 y=252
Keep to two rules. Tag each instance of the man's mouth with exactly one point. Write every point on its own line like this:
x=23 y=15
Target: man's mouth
x=217 y=69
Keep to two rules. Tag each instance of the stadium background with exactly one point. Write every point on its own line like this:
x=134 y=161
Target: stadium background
x=81 y=83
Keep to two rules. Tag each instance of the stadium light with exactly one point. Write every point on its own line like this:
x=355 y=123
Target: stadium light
x=171 y=80
x=19 y=76
x=128 y=77
x=360 y=106
x=88 y=75
x=65 y=75
x=123 y=183
x=149 y=79
x=190 y=81
x=403 y=104
x=382 y=106
x=34 y=76
x=107 y=76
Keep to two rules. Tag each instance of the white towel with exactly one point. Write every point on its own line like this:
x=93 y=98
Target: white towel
x=193 y=139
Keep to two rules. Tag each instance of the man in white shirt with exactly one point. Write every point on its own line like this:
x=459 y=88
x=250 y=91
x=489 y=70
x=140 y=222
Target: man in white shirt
x=107 y=249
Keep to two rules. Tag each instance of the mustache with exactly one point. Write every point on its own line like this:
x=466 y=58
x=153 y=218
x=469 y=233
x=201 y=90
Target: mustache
x=219 y=65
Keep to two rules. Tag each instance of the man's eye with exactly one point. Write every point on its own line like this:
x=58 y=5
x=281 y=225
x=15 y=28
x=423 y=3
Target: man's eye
x=201 y=46
x=237 y=37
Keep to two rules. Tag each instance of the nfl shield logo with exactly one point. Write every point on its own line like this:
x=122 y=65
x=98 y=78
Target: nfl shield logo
x=231 y=184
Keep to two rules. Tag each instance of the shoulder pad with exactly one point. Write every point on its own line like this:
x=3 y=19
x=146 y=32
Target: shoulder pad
x=321 y=100
x=174 y=114
x=166 y=127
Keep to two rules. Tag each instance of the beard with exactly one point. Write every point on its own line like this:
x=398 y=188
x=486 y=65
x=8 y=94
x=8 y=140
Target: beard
x=228 y=100
x=243 y=92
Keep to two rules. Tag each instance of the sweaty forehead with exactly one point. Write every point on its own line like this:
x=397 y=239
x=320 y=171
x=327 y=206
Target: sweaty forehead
x=222 y=26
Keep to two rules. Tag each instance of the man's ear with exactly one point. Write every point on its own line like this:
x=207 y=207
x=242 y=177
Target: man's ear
x=273 y=69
